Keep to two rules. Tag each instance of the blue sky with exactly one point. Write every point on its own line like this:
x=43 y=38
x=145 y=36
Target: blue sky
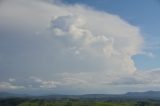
x=142 y=13
x=79 y=46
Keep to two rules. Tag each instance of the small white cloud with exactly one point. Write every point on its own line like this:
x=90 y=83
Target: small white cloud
x=36 y=79
x=9 y=86
x=45 y=84
x=11 y=80
x=149 y=54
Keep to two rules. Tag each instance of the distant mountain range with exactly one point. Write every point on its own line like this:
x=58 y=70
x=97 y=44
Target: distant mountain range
x=130 y=95
x=10 y=95
x=148 y=94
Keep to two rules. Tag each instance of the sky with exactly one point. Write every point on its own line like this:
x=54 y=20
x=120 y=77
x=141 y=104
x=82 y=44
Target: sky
x=79 y=46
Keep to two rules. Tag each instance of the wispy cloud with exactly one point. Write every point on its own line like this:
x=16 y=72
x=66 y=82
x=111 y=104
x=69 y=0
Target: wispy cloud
x=10 y=86
x=11 y=80
x=45 y=84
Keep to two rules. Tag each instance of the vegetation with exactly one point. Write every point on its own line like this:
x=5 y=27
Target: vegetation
x=73 y=102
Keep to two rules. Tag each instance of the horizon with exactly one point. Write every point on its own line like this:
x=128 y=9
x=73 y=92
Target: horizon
x=50 y=94
x=79 y=47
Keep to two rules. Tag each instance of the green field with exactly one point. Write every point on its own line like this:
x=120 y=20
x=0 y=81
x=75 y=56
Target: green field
x=62 y=103
x=78 y=103
x=68 y=102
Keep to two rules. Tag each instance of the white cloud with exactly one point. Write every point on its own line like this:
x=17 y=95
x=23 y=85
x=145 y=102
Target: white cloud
x=149 y=54
x=12 y=80
x=9 y=86
x=71 y=28
x=46 y=84
x=70 y=45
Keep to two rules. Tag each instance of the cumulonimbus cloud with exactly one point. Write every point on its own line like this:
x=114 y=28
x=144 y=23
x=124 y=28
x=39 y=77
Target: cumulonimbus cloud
x=71 y=45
